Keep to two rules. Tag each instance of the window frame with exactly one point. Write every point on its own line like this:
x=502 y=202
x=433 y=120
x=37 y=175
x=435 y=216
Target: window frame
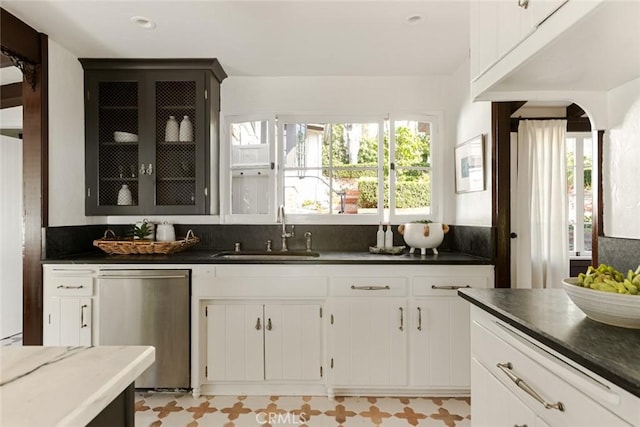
x=434 y=118
x=225 y=172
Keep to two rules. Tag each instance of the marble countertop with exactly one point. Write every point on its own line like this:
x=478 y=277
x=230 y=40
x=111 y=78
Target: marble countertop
x=550 y=317
x=206 y=257
x=65 y=386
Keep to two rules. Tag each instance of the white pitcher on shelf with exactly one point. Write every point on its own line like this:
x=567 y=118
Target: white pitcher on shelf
x=171 y=132
x=186 y=130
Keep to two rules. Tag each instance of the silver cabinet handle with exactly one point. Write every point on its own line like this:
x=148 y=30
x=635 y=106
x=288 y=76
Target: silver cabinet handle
x=401 y=318
x=172 y=276
x=70 y=287
x=370 y=288
x=82 y=323
x=506 y=368
x=258 y=325
x=269 y=326
x=449 y=286
x=150 y=169
x=143 y=171
x=419 y=318
x=523 y=3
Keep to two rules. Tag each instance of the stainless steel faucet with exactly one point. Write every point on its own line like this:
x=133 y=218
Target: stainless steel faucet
x=285 y=234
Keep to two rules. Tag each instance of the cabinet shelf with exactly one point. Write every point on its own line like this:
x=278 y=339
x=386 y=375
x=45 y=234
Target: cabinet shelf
x=117 y=179
x=176 y=107
x=120 y=144
x=118 y=107
x=176 y=144
x=177 y=179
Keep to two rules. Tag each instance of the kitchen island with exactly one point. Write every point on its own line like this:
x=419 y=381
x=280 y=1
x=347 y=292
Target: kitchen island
x=544 y=339
x=70 y=386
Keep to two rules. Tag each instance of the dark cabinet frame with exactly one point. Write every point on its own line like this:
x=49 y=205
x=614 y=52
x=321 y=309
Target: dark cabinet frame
x=207 y=75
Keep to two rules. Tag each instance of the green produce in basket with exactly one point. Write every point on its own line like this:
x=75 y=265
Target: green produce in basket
x=606 y=278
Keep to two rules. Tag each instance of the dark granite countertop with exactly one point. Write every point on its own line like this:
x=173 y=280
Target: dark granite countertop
x=206 y=257
x=550 y=317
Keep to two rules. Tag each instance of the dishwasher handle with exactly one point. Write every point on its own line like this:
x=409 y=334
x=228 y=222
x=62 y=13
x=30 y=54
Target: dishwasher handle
x=173 y=276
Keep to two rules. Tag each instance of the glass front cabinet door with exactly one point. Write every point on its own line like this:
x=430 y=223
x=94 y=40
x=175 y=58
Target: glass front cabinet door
x=150 y=128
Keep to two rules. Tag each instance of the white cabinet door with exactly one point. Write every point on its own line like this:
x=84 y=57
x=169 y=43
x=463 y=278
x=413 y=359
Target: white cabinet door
x=67 y=321
x=369 y=342
x=235 y=342
x=493 y=404
x=439 y=336
x=292 y=341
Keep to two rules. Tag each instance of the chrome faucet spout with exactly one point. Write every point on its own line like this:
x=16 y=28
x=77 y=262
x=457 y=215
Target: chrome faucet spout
x=285 y=234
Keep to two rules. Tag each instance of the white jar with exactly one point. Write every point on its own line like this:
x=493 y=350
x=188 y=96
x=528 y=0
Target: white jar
x=186 y=130
x=165 y=232
x=124 y=196
x=171 y=132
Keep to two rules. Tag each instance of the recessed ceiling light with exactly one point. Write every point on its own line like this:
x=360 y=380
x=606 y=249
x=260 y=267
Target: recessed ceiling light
x=414 y=19
x=143 y=22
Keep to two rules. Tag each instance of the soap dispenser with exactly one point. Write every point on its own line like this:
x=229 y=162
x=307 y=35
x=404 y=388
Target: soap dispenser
x=388 y=238
x=380 y=237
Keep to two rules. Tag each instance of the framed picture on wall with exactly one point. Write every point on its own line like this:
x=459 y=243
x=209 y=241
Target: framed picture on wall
x=469 y=157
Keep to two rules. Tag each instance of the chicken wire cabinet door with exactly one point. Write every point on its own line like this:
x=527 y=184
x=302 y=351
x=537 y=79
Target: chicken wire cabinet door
x=150 y=128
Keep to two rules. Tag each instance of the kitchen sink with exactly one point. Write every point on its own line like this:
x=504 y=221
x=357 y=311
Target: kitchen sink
x=267 y=256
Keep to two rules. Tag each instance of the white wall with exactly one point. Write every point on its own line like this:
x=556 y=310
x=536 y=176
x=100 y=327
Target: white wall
x=621 y=153
x=66 y=138
x=468 y=119
x=282 y=95
x=11 y=237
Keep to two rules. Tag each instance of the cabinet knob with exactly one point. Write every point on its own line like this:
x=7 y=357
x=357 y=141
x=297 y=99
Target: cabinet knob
x=269 y=326
x=523 y=3
x=258 y=325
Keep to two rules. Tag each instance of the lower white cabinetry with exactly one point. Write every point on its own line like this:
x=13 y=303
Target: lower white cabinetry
x=516 y=380
x=439 y=338
x=68 y=306
x=368 y=342
x=332 y=329
x=257 y=342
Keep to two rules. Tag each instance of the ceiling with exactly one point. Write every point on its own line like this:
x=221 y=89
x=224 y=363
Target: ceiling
x=265 y=37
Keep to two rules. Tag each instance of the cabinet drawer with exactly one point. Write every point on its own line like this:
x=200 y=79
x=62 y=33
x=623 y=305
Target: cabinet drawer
x=447 y=285
x=368 y=286
x=581 y=406
x=69 y=286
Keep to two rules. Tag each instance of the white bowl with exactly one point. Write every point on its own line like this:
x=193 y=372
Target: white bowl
x=605 y=307
x=125 y=137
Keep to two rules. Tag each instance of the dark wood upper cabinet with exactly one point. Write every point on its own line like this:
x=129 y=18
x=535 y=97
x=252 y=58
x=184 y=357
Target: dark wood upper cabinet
x=127 y=106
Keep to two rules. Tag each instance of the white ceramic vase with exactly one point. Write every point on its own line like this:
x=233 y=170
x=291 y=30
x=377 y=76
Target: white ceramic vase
x=165 y=232
x=186 y=130
x=172 y=131
x=124 y=196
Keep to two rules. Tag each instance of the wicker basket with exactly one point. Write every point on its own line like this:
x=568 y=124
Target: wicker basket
x=115 y=245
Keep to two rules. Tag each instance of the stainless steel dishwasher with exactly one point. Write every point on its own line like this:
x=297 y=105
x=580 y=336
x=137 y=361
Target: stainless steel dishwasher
x=148 y=307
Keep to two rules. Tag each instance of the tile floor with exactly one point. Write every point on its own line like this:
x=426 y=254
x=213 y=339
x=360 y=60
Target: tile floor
x=155 y=409
x=170 y=409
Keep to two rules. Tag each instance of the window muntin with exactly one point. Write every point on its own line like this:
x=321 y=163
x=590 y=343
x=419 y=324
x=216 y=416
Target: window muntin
x=579 y=191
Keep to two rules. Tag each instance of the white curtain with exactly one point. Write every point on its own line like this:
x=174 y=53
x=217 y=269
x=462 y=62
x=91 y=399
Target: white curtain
x=543 y=247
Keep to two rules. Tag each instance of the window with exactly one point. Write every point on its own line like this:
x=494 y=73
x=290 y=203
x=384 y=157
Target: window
x=373 y=169
x=580 y=208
